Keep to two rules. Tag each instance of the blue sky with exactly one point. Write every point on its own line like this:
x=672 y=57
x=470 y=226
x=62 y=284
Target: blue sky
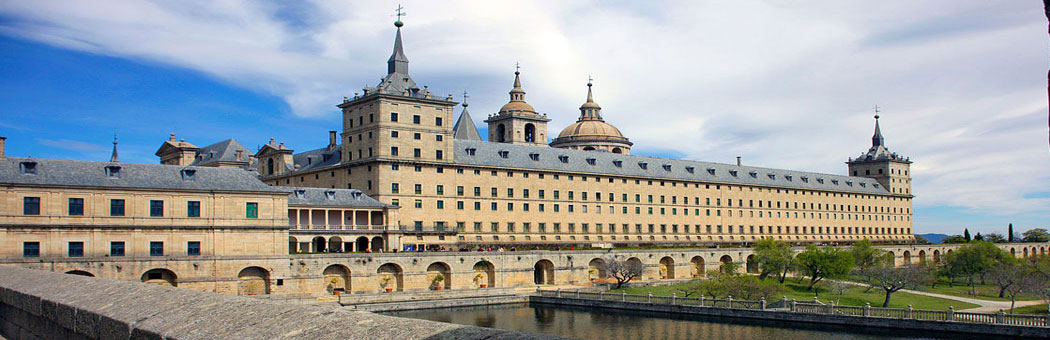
x=961 y=83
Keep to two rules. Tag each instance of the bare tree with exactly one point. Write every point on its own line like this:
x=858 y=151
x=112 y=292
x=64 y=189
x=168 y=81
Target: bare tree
x=623 y=270
x=1005 y=275
x=892 y=279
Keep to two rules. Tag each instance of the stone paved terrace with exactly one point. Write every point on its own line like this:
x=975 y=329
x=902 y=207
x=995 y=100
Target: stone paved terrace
x=38 y=304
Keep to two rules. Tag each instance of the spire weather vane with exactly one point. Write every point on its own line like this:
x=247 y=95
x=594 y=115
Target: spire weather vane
x=876 y=108
x=400 y=12
x=517 y=67
x=465 y=96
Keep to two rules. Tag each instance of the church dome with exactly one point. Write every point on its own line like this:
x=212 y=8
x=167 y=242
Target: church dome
x=590 y=128
x=591 y=132
x=516 y=106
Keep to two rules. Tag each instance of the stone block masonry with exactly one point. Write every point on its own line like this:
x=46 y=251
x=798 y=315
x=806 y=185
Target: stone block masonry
x=44 y=305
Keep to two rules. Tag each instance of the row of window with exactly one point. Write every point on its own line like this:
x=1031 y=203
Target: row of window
x=31 y=206
x=116 y=249
x=416 y=119
x=511 y=227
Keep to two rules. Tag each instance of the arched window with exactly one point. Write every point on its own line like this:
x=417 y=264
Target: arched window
x=530 y=133
x=501 y=133
x=269 y=166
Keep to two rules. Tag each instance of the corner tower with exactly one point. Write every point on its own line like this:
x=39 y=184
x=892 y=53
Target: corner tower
x=517 y=122
x=591 y=132
x=891 y=170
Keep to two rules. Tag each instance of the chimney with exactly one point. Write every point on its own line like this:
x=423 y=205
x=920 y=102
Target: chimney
x=332 y=140
x=737 y=160
x=2 y=142
x=240 y=154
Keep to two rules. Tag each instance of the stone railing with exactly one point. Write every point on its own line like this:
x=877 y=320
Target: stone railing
x=793 y=306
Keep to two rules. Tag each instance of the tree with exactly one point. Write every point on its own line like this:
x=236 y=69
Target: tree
x=1004 y=275
x=921 y=240
x=825 y=262
x=774 y=257
x=954 y=239
x=995 y=238
x=1036 y=235
x=892 y=279
x=865 y=255
x=1010 y=233
x=966 y=234
x=839 y=287
x=972 y=260
x=978 y=237
x=622 y=270
x=729 y=268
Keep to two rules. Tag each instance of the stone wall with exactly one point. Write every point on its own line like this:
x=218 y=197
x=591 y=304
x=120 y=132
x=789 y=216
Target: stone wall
x=43 y=305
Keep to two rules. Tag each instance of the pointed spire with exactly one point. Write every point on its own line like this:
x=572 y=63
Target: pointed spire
x=113 y=158
x=590 y=110
x=517 y=94
x=398 y=62
x=464 y=127
x=877 y=139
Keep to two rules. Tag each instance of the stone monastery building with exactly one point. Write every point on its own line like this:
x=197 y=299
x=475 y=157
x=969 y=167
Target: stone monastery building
x=399 y=145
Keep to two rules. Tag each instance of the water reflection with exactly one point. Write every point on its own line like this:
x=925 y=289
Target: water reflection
x=605 y=324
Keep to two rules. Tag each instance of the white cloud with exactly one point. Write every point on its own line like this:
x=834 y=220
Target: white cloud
x=961 y=82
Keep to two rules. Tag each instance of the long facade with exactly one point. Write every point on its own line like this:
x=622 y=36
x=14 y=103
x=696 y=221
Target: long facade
x=398 y=145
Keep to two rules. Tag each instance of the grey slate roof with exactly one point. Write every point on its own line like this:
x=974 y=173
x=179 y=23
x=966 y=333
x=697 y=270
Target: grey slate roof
x=352 y=198
x=224 y=151
x=317 y=158
x=605 y=163
x=131 y=176
x=465 y=128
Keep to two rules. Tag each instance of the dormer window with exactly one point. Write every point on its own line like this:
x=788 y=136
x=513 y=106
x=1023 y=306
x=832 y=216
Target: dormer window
x=689 y=169
x=592 y=161
x=563 y=158
x=667 y=167
x=189 y=174
x=28 y=168
x=804 y=179
x=772 y=176
x=300 y=193
x=534 y=156
x=471 y=151
x=504 y=154
x=732 y=173
x=309 y=160
x=788 y=177
x=711 y=171
x=835 y=182
x=862 y=184
x=753 y=174
x=355 y=194
x=643 y=165
x=876 y=185
x=849 y=183
x=113 y=171
x=618 y=163
x=329 y=194
x=820 y=180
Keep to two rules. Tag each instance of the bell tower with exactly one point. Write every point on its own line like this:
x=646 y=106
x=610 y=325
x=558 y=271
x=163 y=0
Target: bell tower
x=517 y=122
x=891 y=170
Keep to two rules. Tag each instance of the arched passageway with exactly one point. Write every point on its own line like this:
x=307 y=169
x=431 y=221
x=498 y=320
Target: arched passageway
x=634 y=261
x=160 y=276
x=543 y=273
x=936 y=256
x=439 y=275
x=891 y=258
x=666 y=268
x=391 y=278
x=907 y=257
x=293 y=245
x=484 y=274
x=922 y=257
x=725 y=259
x=697 y=268
x=337 y=279
x=596 y=270
x=253 y=281
x=361 y=244
x=335 y=244
x=751 y=264
x=377 y=244
x=318 y=244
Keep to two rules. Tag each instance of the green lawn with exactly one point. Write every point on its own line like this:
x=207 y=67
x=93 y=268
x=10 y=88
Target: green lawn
x=984 y=292
x=1034 y=309
x=852 y=297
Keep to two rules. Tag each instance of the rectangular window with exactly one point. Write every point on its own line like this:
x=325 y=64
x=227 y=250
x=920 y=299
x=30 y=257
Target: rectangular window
x=76 y=207
x=393 y=116
x=251 y=210
x=76 y=249
x=417 y=153
x=116 y=248
x=193 y=209
x=437 y=121
x=415 y=119
x=116 y=207
x=30 y=249
x=156 y=249
x=31 y=206
x=395 y=188
x=193 y=248
x=393 y=151
x=156 y=208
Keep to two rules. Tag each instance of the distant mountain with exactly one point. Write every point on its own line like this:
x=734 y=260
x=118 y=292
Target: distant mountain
x=934 y=238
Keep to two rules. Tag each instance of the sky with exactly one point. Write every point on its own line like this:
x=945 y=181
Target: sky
x=961 y=85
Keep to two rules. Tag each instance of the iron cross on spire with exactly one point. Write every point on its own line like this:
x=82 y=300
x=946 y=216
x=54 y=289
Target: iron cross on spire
x=589 y=79
x=465 y=96
x=399 y=12
x=876 y=108
x=517 y=67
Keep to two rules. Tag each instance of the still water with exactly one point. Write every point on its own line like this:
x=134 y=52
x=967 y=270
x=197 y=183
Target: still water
x=606 y=324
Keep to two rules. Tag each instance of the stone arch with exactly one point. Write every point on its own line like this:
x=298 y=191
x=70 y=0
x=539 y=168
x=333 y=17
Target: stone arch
x=530 y=133
x=80 y=272
x=253 y=281
x=485 y=274
x=160 y=276
x=377 y=244
x=318 y=244
x=725 y=259
x=501 y=133
x=1025 y=253
x=543 y=272
x=434 y=270
x=337 y=279
x=596 y=270
x=635 y=261
x=697 y=268
x=391 y=277
x=361 y=244
x=1042 y=250
x=922 y=256
x=936 y=256
x=617 y=150
x=335 y=244
x=666 y=268
x=1013 y=252
x=293 y=244
x=907 y=257
x=751 y=266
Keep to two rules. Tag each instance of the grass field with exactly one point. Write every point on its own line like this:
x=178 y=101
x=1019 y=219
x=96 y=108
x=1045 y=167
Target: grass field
x=1034 y=309
x=852 y=297
x=984 y=292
